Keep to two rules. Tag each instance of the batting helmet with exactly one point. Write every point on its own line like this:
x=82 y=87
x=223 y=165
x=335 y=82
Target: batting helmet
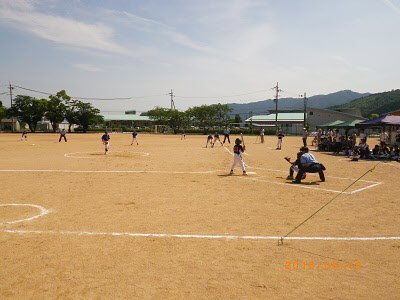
x=238 y=141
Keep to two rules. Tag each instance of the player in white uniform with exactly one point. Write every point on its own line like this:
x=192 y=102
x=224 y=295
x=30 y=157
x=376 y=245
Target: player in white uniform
x=237 y=156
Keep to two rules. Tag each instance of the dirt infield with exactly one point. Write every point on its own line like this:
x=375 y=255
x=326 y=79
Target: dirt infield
x=163 y=220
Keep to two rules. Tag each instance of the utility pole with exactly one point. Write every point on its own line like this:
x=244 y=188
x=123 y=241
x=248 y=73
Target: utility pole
x=172 y=100
x=11 y=99
x=277 y=90
x=251 y=122
x=305 y=109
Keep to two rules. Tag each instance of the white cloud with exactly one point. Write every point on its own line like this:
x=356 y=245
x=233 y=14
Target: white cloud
x=69 y=32
x=156 y=27
x=338 y=58
x=88 y=67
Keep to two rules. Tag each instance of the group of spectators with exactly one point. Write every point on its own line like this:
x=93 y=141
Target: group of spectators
x=333 y=141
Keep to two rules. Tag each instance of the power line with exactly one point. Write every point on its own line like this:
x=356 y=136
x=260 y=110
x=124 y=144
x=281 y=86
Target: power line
x=149 y=96
x=237 y=95
x=89 y=98
x=280 y=241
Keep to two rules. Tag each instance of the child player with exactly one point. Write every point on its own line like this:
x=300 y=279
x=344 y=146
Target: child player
x=209 y=140
x=296 y=165
x=216 y=138
x=237 y=156
x=280 y=137
x=106 y=141
x=24 y=135
x=134 y=137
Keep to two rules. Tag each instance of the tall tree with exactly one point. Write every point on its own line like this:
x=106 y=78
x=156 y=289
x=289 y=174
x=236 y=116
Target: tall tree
x=70 y=113
x=29 y=110
x=221 y=114
x=203 y=116
x=87 y=115
x=171 y=117
x=2 y=111
x=238 y=118
x=56 y=109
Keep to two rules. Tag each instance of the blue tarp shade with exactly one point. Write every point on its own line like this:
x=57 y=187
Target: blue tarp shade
x=381 y=121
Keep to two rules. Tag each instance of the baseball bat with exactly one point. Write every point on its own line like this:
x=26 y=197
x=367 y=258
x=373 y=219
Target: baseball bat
x=241 y=135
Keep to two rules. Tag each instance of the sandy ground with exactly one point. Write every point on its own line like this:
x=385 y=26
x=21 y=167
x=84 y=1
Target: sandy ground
x=80 y=239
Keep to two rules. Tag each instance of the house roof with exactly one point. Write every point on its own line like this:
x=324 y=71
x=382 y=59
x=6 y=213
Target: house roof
x=331 y=124
x=351 y=123
x=335 y=112
x=281 y=117
x=126 y=117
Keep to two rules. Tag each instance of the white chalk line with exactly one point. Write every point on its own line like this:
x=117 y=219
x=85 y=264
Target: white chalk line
x=71 y=155
x=391 y=164
x=374 y=183
x=198 y=236
x=114 y=171
x=297 y=185
x=43 y=212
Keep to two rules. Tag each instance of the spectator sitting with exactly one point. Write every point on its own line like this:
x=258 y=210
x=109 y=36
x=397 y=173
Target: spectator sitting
x=314 y=142
x=384 y=151
x=323 y=146
x=375 y=152
x=364 y=149
x=396 y=153
x=355 y=154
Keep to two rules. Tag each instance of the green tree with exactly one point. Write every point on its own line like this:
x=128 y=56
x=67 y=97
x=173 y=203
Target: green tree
x=87 y=115
x=70 y=113
x=29 y=110
x=238 y=119
x=221 y=114
x=171 y=117
x=56 y=109
x=374 y=116
x=203 y=116
x=2 y=111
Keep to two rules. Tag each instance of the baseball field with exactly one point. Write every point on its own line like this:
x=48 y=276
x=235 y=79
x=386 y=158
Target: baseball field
x=163 y=220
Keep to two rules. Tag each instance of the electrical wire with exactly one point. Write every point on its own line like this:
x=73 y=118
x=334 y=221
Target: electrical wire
x=156 y=95
x=237 y=95
x=89 y=98
x=326 y=204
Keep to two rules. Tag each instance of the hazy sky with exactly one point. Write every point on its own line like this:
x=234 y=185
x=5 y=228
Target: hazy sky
x=205 y=50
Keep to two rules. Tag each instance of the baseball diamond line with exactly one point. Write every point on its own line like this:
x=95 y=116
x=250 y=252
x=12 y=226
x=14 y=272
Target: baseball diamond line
x=115 y=171
x=199 y=236
x=43 y=212
x=314 y=188
x=71 y=154
x=374 y=183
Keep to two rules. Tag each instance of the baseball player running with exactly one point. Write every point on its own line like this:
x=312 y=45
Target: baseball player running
x=106 y=141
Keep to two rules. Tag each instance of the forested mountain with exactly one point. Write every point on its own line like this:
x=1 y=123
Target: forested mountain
x=318 y=101
x=380 y=103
